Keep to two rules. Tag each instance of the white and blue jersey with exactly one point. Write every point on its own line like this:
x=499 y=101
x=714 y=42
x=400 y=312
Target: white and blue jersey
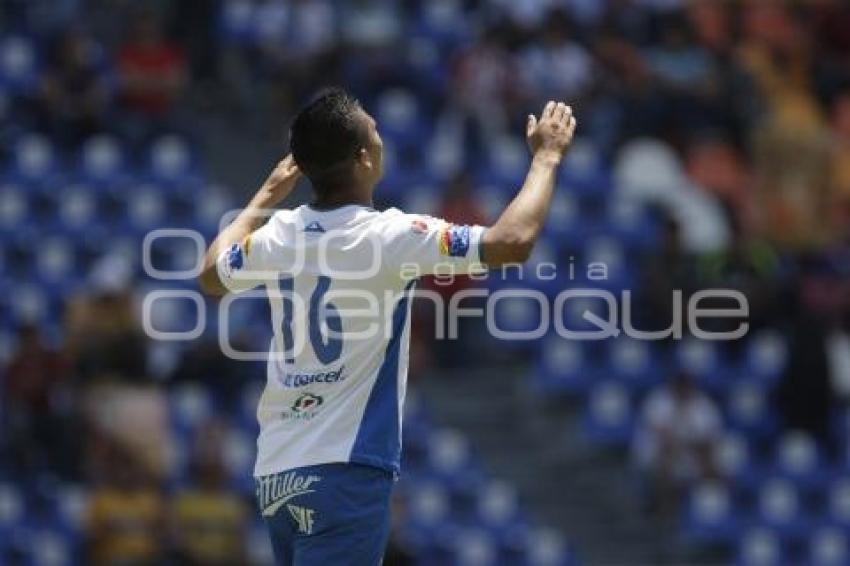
x=339 y=283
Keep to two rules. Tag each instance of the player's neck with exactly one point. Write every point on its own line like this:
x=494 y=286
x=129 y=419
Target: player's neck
x=340 y=199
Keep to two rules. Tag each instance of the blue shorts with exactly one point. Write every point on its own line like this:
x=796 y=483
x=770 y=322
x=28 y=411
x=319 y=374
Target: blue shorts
x=327 y=514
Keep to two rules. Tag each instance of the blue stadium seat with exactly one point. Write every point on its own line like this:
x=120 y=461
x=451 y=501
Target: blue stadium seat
x=761 y=547
x=450 y=460
x=210 y=210
x=29 y=303
x=51 y=548
x=634 y=363
x=400 y=118
x=428 y=508
x=421 y=199
x=77 y=208
x=519 y=314
x=474 y=547
x=34 y=159
x=838 y=503
x=55 y=262
x=498 y=507
x=546 y=547
x=748 y=411
x=631 y=223
x=565 y=223
x=710 y=515
x=540 y=273
x=258 y=544
x=828 y=547
x=12 y=507
x=190 y=405
x=506 y=166
x=171 y=163
x=147 y=208
x=236 y=20
x=702 y=360
x=102 y=161
x=561 y=366
x=14 y=208
x=608 y=252
x=239 y=455
x=780 y=508
x=609 y=416
x=766 y=356
x=442 y=22
x=797 y=458
x=734 y=459
x=19 y=64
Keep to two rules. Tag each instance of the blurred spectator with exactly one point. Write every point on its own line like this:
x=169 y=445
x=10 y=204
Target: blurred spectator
x=36 y=399
x=103 y=333
x=558 y=67
x=649 y=172
x=209 y=521
x=371 y=24
x=482 y=90
x=714 y=163
x=459 y=206
x=790 y=147
x=683 y=76
x=302 y=52
x=675 y=439
x=840 y=170
x=397 y=554
x=671 y=268
x=75 y=95
x=126 y=520
x=152 y=75
x=750 y=266
x=805 y=394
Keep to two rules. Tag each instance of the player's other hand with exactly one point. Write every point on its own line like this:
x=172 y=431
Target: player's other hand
x=552 y=134
x=282 y=179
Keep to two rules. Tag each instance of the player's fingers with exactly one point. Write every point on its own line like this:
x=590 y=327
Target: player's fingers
x=531 y=125
x=559 y=111
x=548 y=110
x=568 y=113
x=572 y=126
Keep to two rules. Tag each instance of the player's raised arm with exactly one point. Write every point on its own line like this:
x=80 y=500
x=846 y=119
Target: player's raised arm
x=512 y=237
x=234 y=237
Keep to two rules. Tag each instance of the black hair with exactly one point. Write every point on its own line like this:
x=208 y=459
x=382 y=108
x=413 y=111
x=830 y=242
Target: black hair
x=325 y=137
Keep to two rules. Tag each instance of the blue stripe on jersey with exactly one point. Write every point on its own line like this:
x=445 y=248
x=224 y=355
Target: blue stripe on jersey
x=378 y=441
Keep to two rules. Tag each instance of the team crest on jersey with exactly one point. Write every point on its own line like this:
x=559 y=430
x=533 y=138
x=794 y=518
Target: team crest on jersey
x=419 y=225
x=454 y=240
x=235 y=259
x=305 y=407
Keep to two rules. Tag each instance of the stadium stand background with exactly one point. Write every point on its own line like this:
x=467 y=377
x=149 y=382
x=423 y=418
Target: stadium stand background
x=714 y=151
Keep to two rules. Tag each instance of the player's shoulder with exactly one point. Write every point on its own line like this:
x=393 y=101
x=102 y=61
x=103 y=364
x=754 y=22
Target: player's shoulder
x=394 y=218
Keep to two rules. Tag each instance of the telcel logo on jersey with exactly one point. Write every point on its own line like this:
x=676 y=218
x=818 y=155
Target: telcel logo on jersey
x=304 y=408
x=294 y=380
x=275 y=490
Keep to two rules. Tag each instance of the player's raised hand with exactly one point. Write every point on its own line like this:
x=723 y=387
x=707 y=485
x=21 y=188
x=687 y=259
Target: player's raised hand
x=282 y=179
x=553 y=132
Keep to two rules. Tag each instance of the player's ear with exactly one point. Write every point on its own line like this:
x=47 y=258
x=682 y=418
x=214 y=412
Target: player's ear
x=363 y=158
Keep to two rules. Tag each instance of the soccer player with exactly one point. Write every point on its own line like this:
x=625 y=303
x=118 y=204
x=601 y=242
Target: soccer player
x=339 y=276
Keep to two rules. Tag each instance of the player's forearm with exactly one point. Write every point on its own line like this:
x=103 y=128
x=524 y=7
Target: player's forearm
x=276 y=188
x=514 y=234
x=249 y=219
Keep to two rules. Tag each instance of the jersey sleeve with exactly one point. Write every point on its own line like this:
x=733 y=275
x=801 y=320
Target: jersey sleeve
x=249 y=263
x=425 y=245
